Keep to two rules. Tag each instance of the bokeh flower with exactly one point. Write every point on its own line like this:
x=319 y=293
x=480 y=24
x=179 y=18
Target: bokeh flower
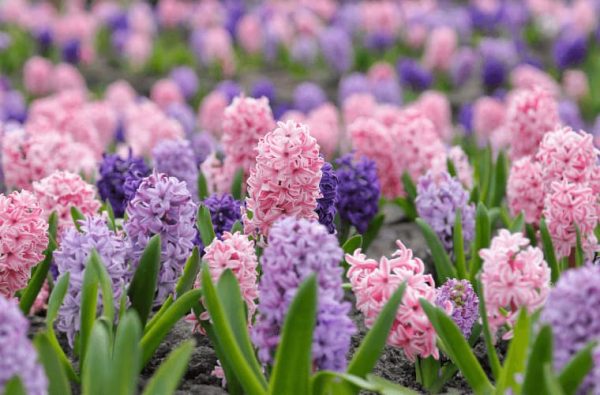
x=176 y=158
x=326 y=205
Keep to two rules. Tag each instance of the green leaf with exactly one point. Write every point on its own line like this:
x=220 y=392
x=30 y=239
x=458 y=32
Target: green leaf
x=167 y=377
x=77 y=216
x=58 y=384
x=518 y=223
x=459 y=246
x=226 y=339
x=409 y=187
x=108 y=305
x=204 y=223
x=576 y=369
x=234 y=386
x=111 y=216
x=370 y=349
x=293 y=358
x=156 y=317
x=499 y=185
x=352 y=244
x=579 y=257
x=145 y=280
x=386 y=387
x=485 y=173
x=236 y=186
x=517 y=354
x=551 y=382
x=549 y=254
x=372 y=231
x=237 y=227
x=451 y=168
x=441 y=260
x=531 y=234
x=202 y=186
x=458 y=349
x=541 y=354
x=190 y=273
x=95 y=375
x=487 y=334
x=482 y=239
x=182 y=306
x=89 y=303
x=127 y=356
x=15 y=386
x=407 y=207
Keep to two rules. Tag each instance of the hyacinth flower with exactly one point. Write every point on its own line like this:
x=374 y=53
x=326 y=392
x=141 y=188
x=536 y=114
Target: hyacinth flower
x=224 y=212
x=18 y=358
x=326 y=205
x=176 y=158
x=460 y=301
x=296 y=249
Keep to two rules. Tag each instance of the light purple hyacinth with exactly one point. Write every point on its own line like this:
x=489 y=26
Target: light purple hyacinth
x=459 y=299
x=176 y=158
x=17 y=354
x=296 y=249
x=438 y=198
x=163 y=205
x=351 y=84
x=304 y=50
x=203 y=145
x=308 y=96
x=572 y=312
x=336 y=46
x=72 y=257
x=463 y=66
x=186 y=79
x=183 y=114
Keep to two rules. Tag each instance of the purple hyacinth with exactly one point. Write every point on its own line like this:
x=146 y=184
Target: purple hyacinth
x=163 y=205
x=119 y=179
x=462 y=66
x=459 y=299
x=498 y=56
x=264 y=87
x=326 y=205
x=18 y=357
x=176 y=158
x=572 y=312
x=229 y=88
x=186 y=79
x=351 y=84
x=304 y=50
x=13 y=107
x=203 y=145
x=413 y=75
x=387 y=91
x=71 y=51
x=358 y=191
x=569 y=114
x=224 y=212
x=570 y=49
x=183 y=114
x=308 y=96
x=72 y=257
x=465 y=117
x=336 y=46
x=296 y=249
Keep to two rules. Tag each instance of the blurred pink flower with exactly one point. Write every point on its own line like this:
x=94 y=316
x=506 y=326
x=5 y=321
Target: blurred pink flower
x=249 y=33
x=66 y=77
x=488 y=115
x=37 y=75
x=211 y=112
x=440 y=47
x=358 y=105
x=165 y=92
x=120 y=95
x=461 y=163
x=575 y=84
x=217 y=49
x=435 y=106
x=525 y=190
x=324 y=125
x=138 y=48
x=218 y=177
x=172 y=12
x=528 y=77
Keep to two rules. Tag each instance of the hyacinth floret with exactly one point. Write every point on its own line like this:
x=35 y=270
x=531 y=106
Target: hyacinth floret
x=461 y=303
x=326 y=209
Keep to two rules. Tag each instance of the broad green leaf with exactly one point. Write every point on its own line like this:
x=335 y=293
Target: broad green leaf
x=482 y=239
x=204 y=223
x=226 y=339
x=156 y=317
x=236 y=186
x=111 y=216
x=407 y=207
x=576 y=369
x=169 y=374
x=499 y=185
x=182 y=306
x=459 y=246
x=95 y=375
x=190 y=273
x=237 y=227
x=579 y=257
x=409 y=187
x=352 y=244
x=126 y=356
x=540 y=355
x=234 y=387
x=451 y=168
x=108 y=305
x=487 y=333
x=518 y=223
x=515 y=362
x=145 y=280
x=485 y=173
x=202 y=186
x=15 y=386
x=386 y=387
x=549 y=254
x=458 y=349
x=551 y=382
x=89 y=303
x=77 y=217
x=443 y=266
x=372 y=231
x=531 y=234
x=293 y=358
x=58 y=384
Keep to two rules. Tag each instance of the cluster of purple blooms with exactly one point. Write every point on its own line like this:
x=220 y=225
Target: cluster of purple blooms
x=358 y=191
x=326 y=205
x=224 y=212
x=296 y=249
x=459 y=299
x=17 y=355
x=176 y=158
x=438 y=201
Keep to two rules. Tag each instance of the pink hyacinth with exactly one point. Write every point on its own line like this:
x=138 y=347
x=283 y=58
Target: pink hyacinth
x=66 y=77
x=525 y=190
x=119 y=95
x=219 y=178
x=23 y=240
x=435 y=106
x=569 y=205
x=324 y=125
x=62 y=190
x=245 y=121
x=488 y=115
x=514 y=276
x=37 y=75
x=217 y=49
x=358 y=105
x=373 y=284
x=575 y=84
x=527 y=77
x=211 y=112
x=285 y=181
x=530 y=115
x=567 y=155
x=457 y=156
x=165 y=92
x=235 y=252
x=440 y=47
x=104 y=118
x=249 y=33
x=138 y=48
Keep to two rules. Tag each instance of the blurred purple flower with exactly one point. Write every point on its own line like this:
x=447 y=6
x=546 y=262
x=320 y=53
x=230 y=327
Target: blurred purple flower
x=308 y=96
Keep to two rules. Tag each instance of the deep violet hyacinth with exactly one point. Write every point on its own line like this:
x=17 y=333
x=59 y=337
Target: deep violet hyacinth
x=162 y=205
x=437 y=202
x=119 y=179
x=224 y=212
x=326 y=205
x=72 y=257
x=296 y=249
x=459 y=299
x=358 y=191
x=17 y=354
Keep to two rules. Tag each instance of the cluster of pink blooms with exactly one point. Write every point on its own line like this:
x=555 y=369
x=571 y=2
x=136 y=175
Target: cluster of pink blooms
x=514 y=276
x=488 y=118
x=324 y=125
x=212 y=111
x=166 y=92
x=525 y=190
x=62 y=190
x=285 y=180
x=41 y=77
x=374 y=282
x=245 y=122
x=23 y=229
